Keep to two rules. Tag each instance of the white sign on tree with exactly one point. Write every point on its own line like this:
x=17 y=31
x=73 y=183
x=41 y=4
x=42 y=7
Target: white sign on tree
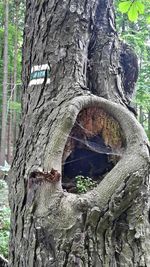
x=39 y=73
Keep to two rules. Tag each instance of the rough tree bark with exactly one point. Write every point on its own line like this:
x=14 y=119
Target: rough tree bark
x=88 y=95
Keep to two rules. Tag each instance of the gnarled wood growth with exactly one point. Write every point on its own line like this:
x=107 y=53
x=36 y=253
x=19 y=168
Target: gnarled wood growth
x=77 y=43
x=69 y=229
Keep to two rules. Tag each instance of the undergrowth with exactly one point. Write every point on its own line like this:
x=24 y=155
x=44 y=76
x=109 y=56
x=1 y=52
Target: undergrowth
x=84 y=184
x=4 y=219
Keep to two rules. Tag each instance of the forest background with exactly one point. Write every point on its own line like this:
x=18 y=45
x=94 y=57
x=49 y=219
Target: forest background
x=133 y=28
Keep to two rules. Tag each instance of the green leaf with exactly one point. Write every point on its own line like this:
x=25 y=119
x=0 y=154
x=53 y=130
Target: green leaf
x=140 y=7
x=124 y=6
x=148 y=20
x=133 y=12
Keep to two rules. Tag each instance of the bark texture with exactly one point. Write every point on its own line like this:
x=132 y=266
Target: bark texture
x=109 y=225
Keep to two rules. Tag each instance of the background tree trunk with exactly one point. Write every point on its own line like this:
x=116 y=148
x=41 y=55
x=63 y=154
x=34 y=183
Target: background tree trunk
x=141 y=116
x=108 y=226
x=10 y=128
x=5 y=81
x=15 y=72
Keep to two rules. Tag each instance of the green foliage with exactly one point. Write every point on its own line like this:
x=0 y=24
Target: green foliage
x=84 y=184
x=133 y=8
x=4 y=219
x=15 y=106
x=124 y=6
x=11 y=44
x=4 y=231
x=148 y=20
x=137 y=36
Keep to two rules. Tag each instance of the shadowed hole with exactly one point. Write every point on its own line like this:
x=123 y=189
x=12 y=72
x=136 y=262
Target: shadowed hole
x=93 y=148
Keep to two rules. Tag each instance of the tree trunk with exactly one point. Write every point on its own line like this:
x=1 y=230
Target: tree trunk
x=5 y=81
x=15 y=71
x=141 y=116
x=74 y=105
x=9 y=143
x=10 y=128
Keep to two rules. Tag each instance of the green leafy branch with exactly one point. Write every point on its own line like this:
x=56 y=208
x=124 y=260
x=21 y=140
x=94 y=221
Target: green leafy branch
x=133 y=8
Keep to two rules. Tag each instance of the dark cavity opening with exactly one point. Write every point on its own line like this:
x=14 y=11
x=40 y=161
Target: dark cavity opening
x=93 y=148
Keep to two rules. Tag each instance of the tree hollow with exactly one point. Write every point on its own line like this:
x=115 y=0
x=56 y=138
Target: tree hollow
x=94 y=146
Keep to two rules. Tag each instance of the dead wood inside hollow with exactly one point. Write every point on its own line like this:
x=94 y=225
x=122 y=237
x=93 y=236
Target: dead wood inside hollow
x=94 y=146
